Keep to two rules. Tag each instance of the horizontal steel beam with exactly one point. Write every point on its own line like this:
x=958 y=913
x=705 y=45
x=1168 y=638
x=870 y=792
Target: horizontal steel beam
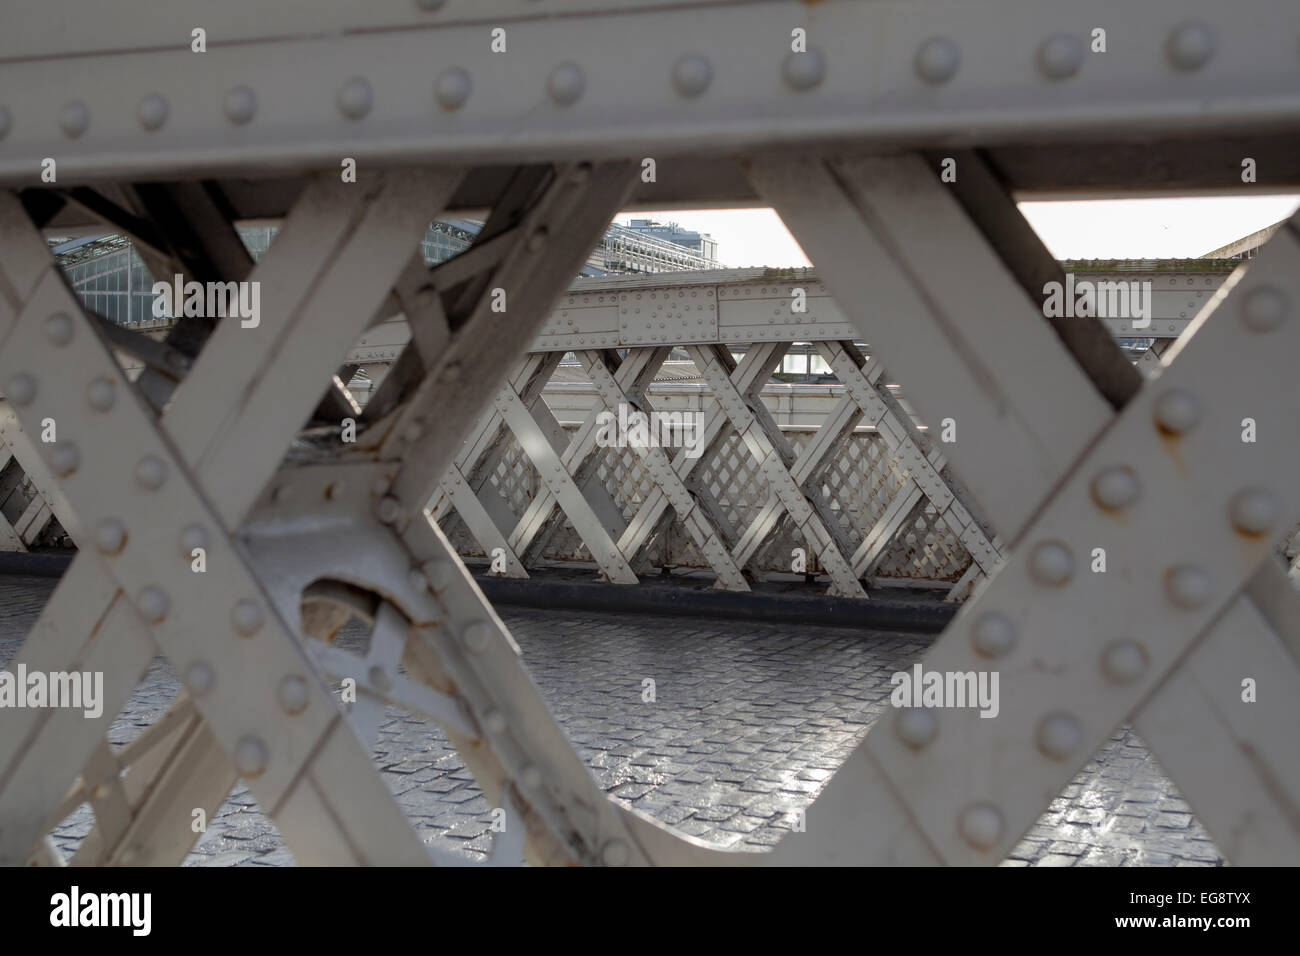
x=116 y=92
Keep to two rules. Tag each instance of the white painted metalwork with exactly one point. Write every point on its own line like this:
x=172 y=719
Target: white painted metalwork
x=229 y=439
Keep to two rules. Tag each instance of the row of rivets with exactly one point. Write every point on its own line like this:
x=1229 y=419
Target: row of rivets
x=937 y=59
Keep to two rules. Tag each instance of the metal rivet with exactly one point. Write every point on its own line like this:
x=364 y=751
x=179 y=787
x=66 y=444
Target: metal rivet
x=916 y=726
x=1190 y=46
x=1263 y=309
x=1124 y=661
x=416 y=578
x=937 y=60
x=1116 y=487
x=531 y=777
x=981 y=825
x=804 y=71
x=64 y=459
x=151 y=472
x=566 y=84
x=153 y=604
x=1059 y=735
x=535 y=243
x=58 y=329
x=614 y=853
x=692 y=74
x=355 y=98
x=292 y=694
x=1060 y=56
x=74 y=119
x=1255 y=511
x=101 y=393
x=110 y=536
x=240 y=105
x=152 y=112
x=452 y=88
x=438 y=574
x=6 y=122
x=199 y=678
x=193 y=536
x=477 y=636
x=1189 y=585
x=1177 y=411
x=495 y=721
x=412 y=432
x=389 y=509
x=251 y=756
x=1051 y=563
x=993 y=634
x=21 y=389
x=247 y=617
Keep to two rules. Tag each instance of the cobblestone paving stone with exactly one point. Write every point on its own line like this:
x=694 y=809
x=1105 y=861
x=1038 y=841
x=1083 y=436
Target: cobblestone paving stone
x=749 y=722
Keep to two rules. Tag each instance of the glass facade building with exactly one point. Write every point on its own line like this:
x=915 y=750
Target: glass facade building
x=111 y=279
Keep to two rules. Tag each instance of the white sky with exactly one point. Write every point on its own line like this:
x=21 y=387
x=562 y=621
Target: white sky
x=1098 y=229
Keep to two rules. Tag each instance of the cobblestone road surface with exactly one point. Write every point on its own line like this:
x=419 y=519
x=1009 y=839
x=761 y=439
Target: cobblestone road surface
x=749 y=722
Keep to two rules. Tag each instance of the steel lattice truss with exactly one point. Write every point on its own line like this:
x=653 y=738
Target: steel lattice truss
x=1064 y=445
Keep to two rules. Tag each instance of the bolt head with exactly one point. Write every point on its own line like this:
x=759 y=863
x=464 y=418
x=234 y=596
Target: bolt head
x=251 y=757
x=152 y=112
x=477 y=636
x=1255 y=511
x=937 y=60
x=1051 y=563
x=153 y=604
x=416 y=578
x=239 y=105
x=993 y=634
x=495 y=721
x=692 y=75
x=389 y=509
x=1264 y=308
x=439 y=573
x=981 y=825
x=151 y=472
x=916 y=726
x=74 y=119
x=1116 y=487
x=64 y=459
x=199 y=678
x=452 y=88
x=110 y=536
x=101 y=393
x=1177 y=412
x=804 y=71
x=193 y=536
x=1188 y=585
x=355 y=98
x=1124 y=661
x=1189 y=46
x=21 y=389
x=247 y=617
x=1059 y=735
x=614 y=853
x=58 y=329
x=293 y=694
x=566 y=84
x=1060 y=56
